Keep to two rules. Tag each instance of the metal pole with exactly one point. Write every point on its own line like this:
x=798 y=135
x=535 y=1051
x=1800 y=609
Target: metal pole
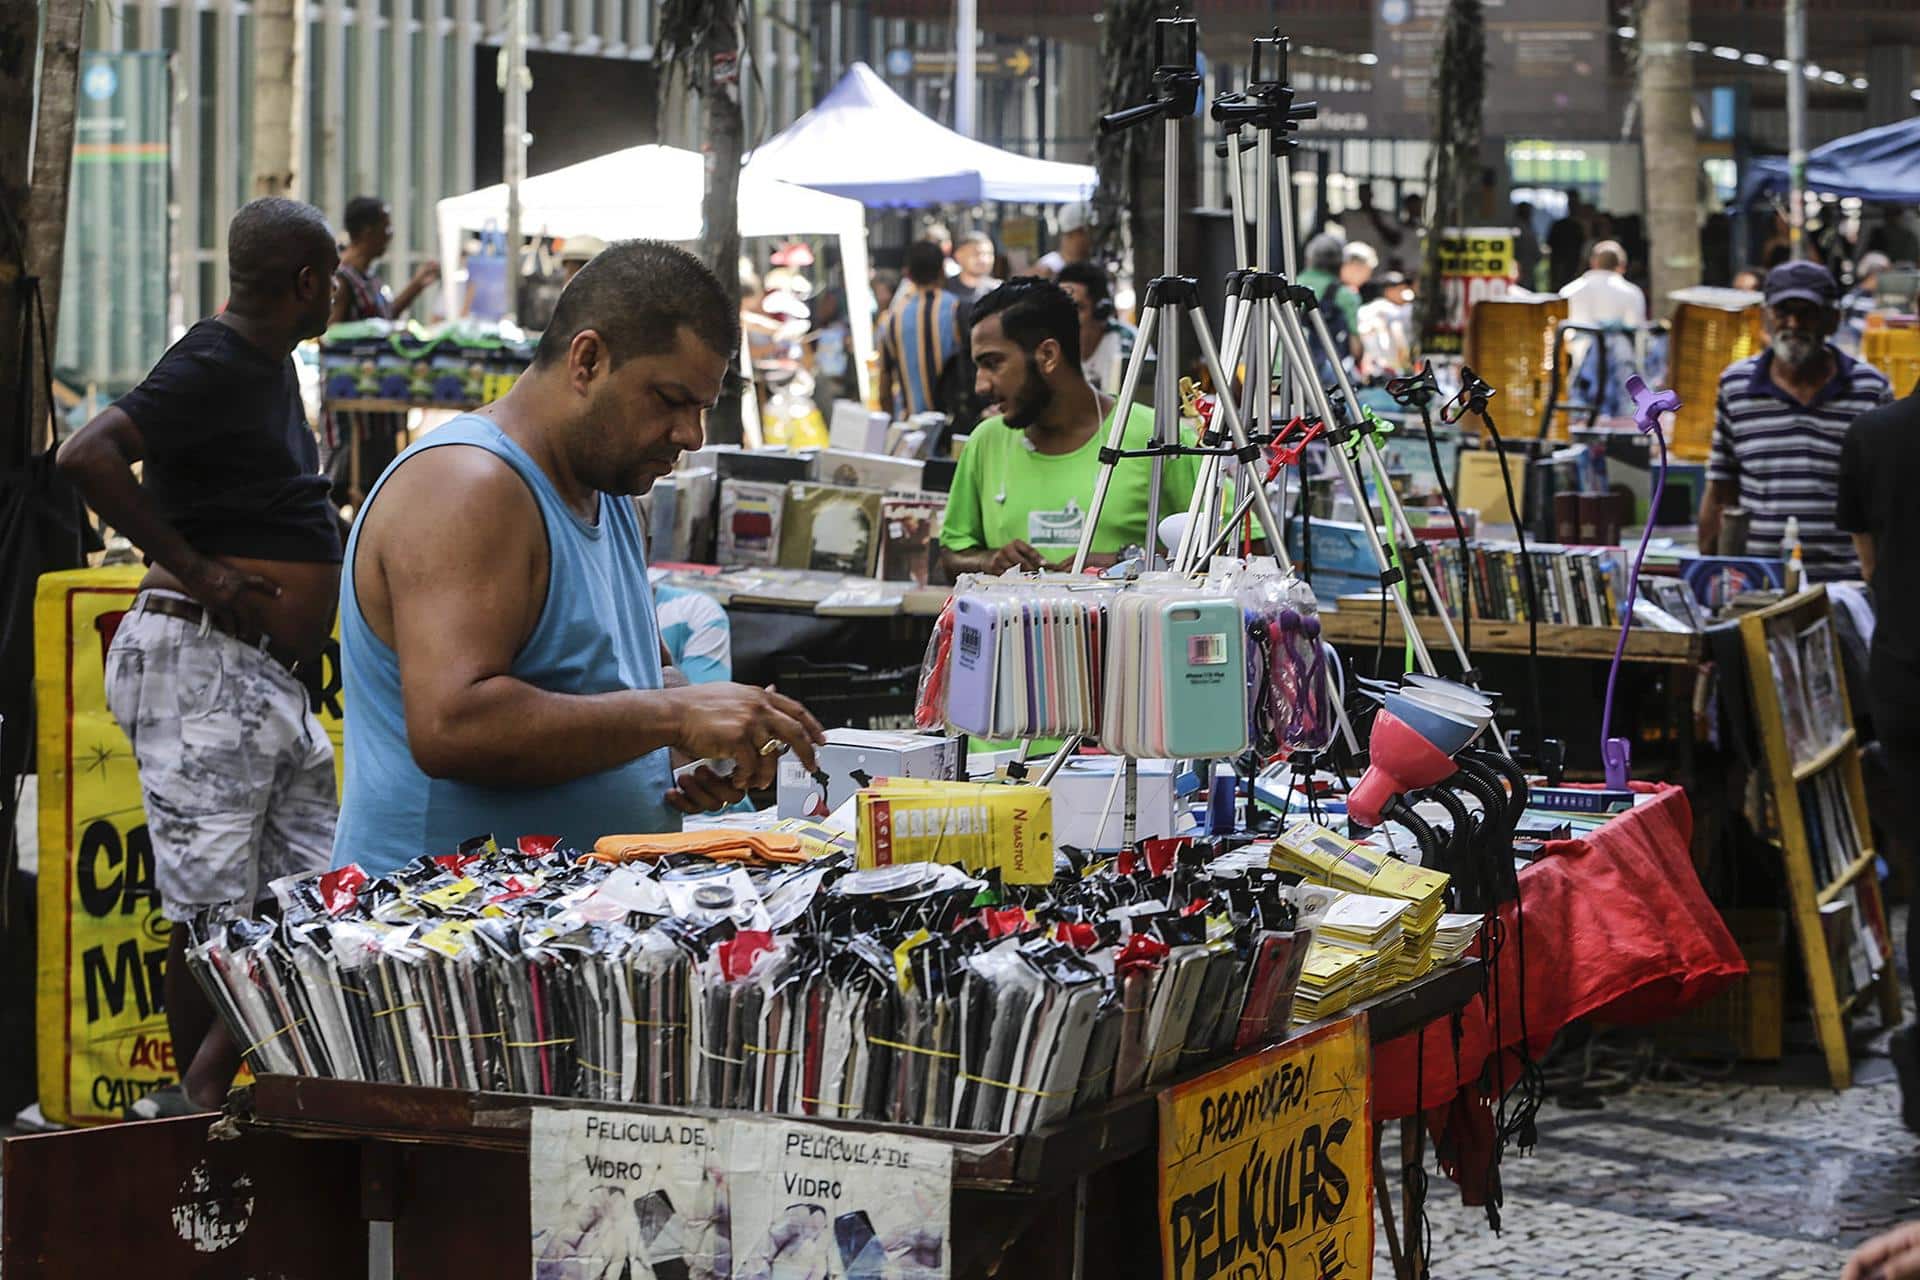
x=1294 y=343
x=1116 y=436
x=1237 y=185
x=513 y=162
x=1166 y=386
x=966 y=74
x=1797 y=127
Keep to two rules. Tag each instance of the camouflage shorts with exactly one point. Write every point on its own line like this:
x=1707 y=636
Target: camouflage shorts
x=236 y=772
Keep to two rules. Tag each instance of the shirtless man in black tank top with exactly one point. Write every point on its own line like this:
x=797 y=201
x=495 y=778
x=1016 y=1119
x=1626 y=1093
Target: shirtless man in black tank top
x=207 y=671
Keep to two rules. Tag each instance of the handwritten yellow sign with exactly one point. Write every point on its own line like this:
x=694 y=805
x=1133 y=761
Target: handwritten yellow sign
x=1266 y=1165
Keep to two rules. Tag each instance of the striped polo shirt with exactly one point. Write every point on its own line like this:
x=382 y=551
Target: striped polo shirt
x=1784 y=457
x=918 y=337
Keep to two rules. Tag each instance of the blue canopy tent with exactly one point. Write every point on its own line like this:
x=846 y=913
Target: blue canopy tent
x=866 y=142
x=1879 y=164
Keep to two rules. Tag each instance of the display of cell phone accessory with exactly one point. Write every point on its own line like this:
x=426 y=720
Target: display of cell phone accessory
x=912 y=994
x=1025 y=658
x=1175 y=673
x=1292 y=674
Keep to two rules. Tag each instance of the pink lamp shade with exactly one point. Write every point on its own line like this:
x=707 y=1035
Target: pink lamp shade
x=1402 y=759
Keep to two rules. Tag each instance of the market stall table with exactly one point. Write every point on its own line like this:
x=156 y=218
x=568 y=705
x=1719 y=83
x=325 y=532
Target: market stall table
x=289 y=1182
x=1613 y=926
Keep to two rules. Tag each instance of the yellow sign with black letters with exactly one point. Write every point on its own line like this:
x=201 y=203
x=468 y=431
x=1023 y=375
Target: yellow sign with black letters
x=102 y=1040
x=1266 y=1165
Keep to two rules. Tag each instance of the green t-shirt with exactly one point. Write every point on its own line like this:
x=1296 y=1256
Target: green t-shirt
x=1003 y=490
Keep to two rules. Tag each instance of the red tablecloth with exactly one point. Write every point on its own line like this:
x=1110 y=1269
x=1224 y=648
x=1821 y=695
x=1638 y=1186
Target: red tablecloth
x=1616 y=925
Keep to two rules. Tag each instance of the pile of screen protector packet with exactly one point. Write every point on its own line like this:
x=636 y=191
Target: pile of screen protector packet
x=766 y=971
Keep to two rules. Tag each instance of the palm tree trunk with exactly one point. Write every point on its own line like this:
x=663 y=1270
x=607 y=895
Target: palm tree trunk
x=1461 y=85
x=718 y=54
x=1666 y=141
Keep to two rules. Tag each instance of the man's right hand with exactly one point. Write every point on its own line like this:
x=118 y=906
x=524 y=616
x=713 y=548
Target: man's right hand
x=736 y=721
x=234 y=599
x=1016 y=553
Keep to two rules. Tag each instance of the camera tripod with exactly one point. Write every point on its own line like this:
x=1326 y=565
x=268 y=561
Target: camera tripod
x=1169 y=296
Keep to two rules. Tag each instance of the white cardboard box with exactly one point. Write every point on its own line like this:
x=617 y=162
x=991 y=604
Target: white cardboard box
x=868 y=470
x=1089 y=806
x=852 y=758
x=851 y=425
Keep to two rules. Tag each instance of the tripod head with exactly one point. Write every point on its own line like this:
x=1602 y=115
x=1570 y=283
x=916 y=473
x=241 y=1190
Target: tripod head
x=1473 y=397
x=1265 y=104
x=1416 y=390
x=1176 y=82
x=1276 y=94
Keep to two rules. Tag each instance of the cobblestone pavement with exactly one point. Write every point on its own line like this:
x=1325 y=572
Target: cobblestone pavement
x=1765 y=1172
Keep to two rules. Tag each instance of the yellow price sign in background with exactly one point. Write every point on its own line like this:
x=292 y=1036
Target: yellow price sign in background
x=1266 y=1165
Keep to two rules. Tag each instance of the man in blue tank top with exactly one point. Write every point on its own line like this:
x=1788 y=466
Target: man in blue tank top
x=499 y=649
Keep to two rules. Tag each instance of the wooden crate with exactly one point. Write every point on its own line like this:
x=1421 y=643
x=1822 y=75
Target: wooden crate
x=1705 y=340
x=1746 y=1018
x=1510 y=343
x=1894 y=351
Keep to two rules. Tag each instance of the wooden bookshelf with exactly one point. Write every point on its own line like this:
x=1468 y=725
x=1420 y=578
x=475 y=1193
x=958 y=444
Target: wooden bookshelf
x=1357 y=622
x=1820 y=762
x=1804 y=862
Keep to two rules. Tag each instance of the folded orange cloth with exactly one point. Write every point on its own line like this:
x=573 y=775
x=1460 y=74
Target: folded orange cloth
x=721 y=846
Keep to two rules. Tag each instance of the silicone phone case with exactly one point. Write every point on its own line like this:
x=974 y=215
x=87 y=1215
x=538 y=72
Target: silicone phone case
x=976 y=644
x=1202 y=660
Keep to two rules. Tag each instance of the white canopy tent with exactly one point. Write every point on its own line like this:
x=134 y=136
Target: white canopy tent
x=655 y=192
x=866 y=141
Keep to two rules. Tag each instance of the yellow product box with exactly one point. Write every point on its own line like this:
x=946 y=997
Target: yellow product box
x=975 y=825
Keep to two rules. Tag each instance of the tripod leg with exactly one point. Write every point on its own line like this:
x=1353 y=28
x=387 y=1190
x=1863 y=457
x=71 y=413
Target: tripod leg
x=1295 y=344
x=1211 y=355
x=1116 y=435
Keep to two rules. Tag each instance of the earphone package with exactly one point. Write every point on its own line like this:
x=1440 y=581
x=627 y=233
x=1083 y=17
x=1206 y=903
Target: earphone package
x=1291 y=671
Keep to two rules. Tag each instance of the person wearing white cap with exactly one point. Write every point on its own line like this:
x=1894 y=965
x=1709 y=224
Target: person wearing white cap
x=577 y=251
x=1076 y=240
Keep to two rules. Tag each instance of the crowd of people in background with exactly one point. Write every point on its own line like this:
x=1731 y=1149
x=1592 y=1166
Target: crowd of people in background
x=1363 y=265
x=923 y=314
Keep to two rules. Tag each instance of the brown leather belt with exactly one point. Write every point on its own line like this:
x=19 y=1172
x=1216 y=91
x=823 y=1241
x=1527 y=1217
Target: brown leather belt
x=194 y=612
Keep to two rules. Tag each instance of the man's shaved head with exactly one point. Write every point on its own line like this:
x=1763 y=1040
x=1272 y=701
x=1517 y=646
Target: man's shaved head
x=270 y=240
x=638 y=295
x=281 y=257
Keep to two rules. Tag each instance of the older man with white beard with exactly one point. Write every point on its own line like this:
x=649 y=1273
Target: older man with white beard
x=1779 y=423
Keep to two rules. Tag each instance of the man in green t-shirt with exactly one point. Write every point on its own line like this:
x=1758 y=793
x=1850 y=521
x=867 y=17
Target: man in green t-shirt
x=1025 y=481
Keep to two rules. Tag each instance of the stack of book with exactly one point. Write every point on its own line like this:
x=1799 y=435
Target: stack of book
x=1325 y=857
x=1833 y=839
x=1575 y=586
x=1329 y=982
x=1455 y=934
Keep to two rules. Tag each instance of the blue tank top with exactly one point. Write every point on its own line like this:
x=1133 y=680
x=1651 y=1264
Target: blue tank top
x=597 y=633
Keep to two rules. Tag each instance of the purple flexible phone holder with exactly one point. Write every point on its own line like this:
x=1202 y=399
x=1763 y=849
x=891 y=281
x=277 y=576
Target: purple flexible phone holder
x=1616 y=753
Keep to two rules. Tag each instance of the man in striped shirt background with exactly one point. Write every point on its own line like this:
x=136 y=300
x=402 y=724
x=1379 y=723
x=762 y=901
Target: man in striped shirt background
x=919 y=336
x=1779 y=423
